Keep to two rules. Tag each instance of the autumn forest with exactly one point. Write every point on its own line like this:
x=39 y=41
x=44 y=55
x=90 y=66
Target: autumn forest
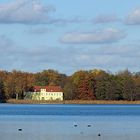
x=82 y=85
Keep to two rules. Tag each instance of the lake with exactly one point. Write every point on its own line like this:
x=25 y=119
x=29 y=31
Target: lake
x=69 y=122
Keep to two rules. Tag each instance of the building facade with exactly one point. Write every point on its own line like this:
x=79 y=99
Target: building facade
x=45 y=93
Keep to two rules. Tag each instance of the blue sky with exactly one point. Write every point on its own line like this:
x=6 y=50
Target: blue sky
x=69 y=35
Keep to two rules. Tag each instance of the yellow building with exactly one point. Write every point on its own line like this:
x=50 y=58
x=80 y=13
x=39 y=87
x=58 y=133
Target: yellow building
x=46 y=93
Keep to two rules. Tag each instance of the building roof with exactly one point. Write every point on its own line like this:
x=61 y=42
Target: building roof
x=48 y=88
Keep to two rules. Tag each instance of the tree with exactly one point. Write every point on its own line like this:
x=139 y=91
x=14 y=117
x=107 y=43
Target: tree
x=101 y=86
x=84 y=83
x=2 y=93
x=86 y=88
x=2 y=79
x=69 y=89
x=50 y=77
x=128 y=85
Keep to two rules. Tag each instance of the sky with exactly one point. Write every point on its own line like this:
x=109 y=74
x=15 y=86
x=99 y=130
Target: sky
x=70 y=35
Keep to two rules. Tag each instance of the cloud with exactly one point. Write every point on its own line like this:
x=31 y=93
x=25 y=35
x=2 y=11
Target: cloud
x=68 y=59
x=61 y=21
x=105 y=19
x=38 y=31
x=133 y=18
x=7 y=52
x=25 y=12
x=31 y=12
x=36 y=58
x=108 y=35
x=127 y=51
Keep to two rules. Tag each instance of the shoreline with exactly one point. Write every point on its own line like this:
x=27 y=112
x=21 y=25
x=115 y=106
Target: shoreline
x=14 y=101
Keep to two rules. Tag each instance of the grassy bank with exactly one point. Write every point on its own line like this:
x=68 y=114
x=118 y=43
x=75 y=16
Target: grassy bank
x=13 y=101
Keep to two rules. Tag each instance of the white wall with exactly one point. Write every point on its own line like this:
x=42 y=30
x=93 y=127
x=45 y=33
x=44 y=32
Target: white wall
x=51 y=95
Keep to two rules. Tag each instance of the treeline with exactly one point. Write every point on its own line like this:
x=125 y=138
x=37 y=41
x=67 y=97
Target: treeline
x=86 y=85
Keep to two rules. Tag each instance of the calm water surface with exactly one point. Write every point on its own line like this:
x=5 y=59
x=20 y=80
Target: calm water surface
x=71 y=110
x=69 y=122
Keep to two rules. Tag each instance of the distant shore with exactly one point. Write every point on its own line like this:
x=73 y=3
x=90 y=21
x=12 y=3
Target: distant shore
x=13 y=101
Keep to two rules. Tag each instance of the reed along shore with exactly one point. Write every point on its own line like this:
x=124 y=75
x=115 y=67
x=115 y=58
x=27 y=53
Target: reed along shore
x=13 y=101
